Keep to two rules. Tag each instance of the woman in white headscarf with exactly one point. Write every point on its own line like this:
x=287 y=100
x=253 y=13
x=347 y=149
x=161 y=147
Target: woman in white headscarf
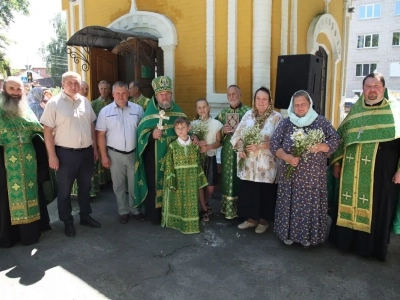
x=302 y=202
x=37 y=99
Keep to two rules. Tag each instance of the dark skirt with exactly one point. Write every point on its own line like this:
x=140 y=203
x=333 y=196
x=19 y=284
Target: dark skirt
x=257 y=200
x=210 y=169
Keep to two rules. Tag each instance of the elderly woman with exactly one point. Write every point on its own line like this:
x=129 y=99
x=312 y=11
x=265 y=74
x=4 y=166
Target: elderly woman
x=302 y=203
x=257 y=166
x=37 y=99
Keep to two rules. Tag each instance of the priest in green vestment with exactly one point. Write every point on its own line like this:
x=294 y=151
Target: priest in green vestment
x=23 y=169
x=230 y=117
x=366 y=163
x=155 y=132
x=136 y=96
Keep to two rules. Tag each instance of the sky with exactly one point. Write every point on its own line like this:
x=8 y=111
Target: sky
x=29 y=32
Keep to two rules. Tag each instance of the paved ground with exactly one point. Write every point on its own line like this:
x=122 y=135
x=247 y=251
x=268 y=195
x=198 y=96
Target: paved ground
x=144 y=261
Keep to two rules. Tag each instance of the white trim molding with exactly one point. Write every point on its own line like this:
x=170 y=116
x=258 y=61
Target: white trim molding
x=262 y=10
x=326 y=24
x=156 y=24
x=219 y=101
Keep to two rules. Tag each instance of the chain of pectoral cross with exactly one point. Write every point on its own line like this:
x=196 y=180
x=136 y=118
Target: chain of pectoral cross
x=360 y=129
x=19 y=136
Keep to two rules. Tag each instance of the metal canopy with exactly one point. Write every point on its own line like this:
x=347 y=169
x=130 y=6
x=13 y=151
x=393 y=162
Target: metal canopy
x=104 y=38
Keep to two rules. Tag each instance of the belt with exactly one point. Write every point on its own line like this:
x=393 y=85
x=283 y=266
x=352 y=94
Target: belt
x=119 y=151
x=73 y=149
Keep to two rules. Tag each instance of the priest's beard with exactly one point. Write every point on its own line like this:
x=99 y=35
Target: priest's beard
x=14 y=106
x=165 y=106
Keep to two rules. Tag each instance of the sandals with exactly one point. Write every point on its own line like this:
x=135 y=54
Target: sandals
x=209 y=208
x=204 y=216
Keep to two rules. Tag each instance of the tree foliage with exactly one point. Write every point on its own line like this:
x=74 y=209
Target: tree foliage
x=53 y=53
x=8 y=9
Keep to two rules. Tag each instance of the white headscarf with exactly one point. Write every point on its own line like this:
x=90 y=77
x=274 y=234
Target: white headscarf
x=307 y=119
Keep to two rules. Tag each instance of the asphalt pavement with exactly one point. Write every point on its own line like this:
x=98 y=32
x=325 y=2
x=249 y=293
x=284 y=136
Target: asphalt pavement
x=140 y=260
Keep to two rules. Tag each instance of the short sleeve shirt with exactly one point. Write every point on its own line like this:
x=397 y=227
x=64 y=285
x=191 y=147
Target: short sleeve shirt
x=70 y=119
x=120 y=125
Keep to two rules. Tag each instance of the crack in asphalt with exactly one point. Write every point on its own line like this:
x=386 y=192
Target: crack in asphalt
x=154 y=277
x=161 y=255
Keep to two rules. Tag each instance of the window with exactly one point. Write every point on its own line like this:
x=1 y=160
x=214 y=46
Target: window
x=368 y=41
x=395 y=69
x=365 y=69
x=397 y=8
x=38 y=72
x=396 y=39
x=369 y=11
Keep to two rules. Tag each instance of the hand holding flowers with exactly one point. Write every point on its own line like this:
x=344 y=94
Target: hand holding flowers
x=304 y=142
x=251 y=139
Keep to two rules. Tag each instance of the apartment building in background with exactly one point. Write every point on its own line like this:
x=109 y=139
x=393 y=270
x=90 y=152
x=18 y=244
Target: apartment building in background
x=374 y=44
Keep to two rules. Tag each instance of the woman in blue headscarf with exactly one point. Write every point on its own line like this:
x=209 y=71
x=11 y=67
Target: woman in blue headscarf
x=302 y=202
x=37 y=99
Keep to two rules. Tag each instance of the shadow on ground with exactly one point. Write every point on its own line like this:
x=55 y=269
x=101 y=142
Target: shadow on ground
x=145 y=261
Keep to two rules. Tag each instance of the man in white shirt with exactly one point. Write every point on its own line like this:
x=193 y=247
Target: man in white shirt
x=116 y=129
x=71 y=146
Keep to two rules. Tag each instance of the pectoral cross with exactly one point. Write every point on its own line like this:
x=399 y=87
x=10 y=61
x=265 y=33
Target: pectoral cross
x=20 y=136
x=161 y=117
x=360 y=131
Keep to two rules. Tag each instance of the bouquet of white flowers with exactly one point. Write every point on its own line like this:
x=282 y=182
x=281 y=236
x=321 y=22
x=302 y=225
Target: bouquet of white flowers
x=199 y=128
x=302 y=141
x=250 y=136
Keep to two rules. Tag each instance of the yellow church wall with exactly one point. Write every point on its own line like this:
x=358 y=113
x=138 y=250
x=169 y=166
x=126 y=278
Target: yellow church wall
x=244 y=50
x=189 y=19
x=276 y=39
x=306 y=12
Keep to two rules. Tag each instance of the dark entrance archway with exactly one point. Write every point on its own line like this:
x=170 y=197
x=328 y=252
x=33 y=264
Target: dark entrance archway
x=113 y=55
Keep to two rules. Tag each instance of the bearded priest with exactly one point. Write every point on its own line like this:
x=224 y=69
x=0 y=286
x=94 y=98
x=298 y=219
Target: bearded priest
x=23 y=169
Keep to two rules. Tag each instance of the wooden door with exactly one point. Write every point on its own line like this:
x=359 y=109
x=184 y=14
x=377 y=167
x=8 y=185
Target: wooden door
x=103 y=66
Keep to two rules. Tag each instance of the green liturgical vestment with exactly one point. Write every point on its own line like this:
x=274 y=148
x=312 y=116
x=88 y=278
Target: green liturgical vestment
x=149 y=122
x=361 y=132
x=142 y=101
x=16 y=136
x=230 y=181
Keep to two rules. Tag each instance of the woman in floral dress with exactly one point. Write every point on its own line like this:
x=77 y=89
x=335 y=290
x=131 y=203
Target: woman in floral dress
x=257 y=166
x=302 y=203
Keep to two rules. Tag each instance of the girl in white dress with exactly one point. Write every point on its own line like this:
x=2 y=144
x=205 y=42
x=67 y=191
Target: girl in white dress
x=209 y=147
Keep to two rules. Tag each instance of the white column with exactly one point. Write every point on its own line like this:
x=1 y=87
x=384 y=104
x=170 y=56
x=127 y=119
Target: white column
x=262 y=10
x=293 y=28
x=232 y=42
x=169 y=63
x=284 y=26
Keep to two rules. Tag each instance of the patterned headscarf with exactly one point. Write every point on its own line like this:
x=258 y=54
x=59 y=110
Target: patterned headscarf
x=35 y=95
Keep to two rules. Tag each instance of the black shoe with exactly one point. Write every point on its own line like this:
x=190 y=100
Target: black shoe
x=90 y=222
x=69 y=230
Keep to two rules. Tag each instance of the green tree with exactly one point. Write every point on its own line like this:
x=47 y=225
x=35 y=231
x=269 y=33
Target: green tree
x=53 y=53
x=8 y=9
